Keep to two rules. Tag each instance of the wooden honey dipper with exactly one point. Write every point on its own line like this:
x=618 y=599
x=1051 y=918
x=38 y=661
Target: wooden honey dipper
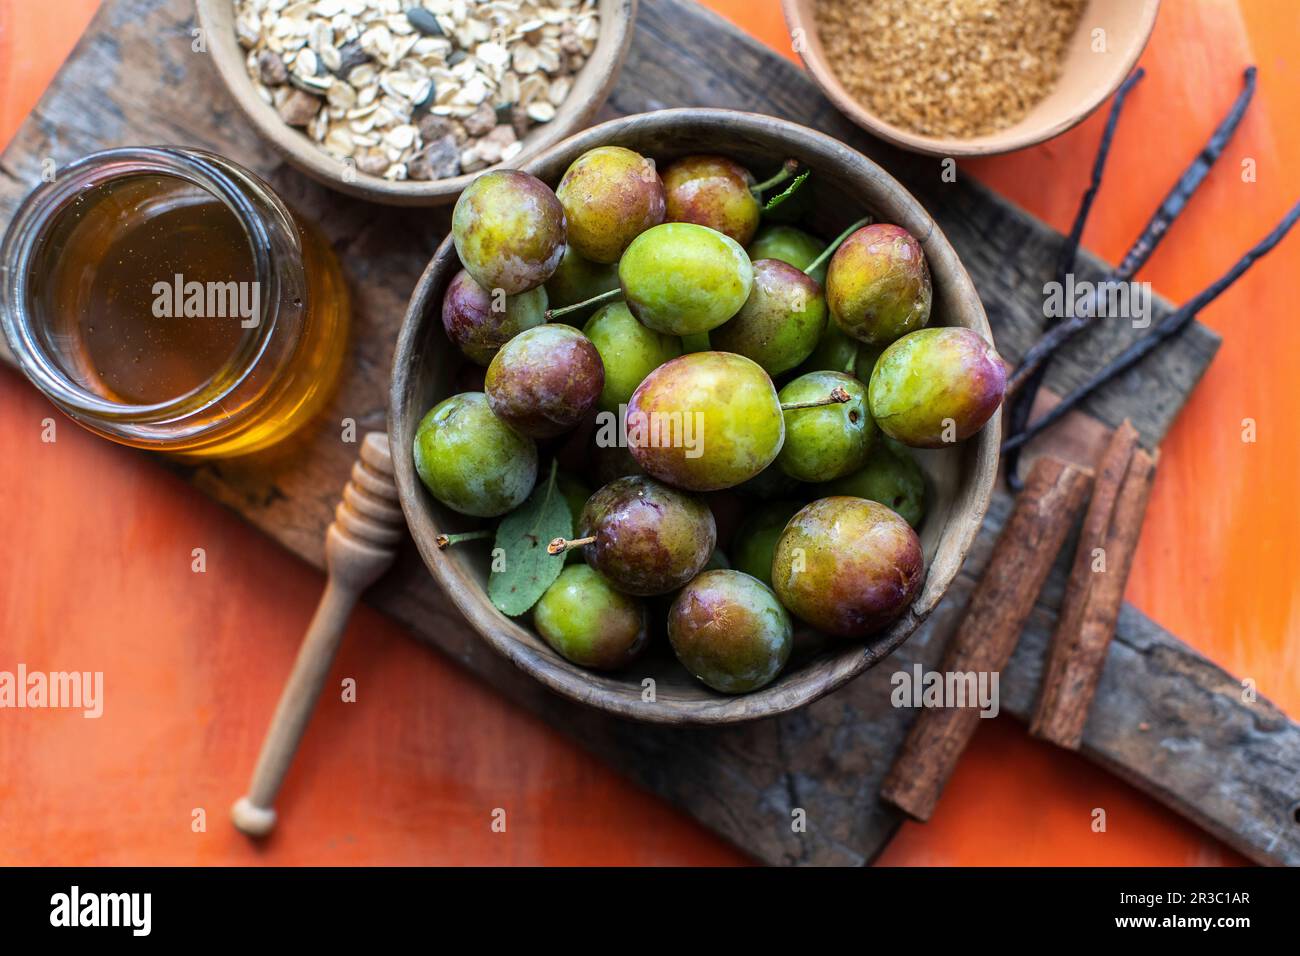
x=360 y=545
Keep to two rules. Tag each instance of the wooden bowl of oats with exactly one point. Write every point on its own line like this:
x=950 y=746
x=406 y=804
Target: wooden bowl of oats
x=404 y=102
x=969 y=79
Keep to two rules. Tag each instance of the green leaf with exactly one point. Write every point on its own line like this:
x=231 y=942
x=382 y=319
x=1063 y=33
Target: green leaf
x=787 y=192
x=527 y=569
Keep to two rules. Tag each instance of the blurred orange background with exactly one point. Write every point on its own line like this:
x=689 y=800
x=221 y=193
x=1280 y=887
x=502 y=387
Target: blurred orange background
x=96 y=540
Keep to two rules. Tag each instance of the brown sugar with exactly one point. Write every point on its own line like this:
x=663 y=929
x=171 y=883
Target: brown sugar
x=957 y=68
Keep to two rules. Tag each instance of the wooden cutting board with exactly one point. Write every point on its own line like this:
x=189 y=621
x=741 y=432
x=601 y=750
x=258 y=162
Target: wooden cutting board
x=1166 y=719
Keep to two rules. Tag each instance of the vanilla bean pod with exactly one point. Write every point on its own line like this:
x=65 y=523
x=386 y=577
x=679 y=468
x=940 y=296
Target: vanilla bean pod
x=1150 y=238
x=1167 y=327
x=1022 y=403
x=1187 y=184
x=1070 y=250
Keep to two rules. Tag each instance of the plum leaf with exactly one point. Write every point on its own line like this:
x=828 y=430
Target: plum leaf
x=526 y=569
x=787 y=192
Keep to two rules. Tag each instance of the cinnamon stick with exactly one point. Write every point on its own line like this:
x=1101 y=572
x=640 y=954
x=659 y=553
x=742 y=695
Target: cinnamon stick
x=1044 y=513
x=1051 y=717
x=1069 y=624
x=1093 y=600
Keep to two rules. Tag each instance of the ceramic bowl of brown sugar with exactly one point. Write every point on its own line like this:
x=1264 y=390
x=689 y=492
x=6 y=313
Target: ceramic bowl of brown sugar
x=971 y=79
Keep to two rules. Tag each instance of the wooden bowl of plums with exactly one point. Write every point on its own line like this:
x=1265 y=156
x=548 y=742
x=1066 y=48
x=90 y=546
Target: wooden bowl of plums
x=694 y=417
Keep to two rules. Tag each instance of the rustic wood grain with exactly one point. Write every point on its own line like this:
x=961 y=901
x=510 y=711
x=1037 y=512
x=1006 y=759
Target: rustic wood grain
x=1230 y=765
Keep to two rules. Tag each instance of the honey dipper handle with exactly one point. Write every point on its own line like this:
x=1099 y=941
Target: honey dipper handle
x=359 y=547
x=253 y=814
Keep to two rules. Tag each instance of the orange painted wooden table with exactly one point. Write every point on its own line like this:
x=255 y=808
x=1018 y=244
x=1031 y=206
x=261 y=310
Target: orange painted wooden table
x=95 y=545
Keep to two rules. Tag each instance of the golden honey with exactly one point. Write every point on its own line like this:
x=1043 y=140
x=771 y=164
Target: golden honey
x=167 y=299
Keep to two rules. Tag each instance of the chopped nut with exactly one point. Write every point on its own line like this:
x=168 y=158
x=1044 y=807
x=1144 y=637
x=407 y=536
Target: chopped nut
x=502 y=135
x=481 y=120
x=299 y=108
x=271 y=69
x=433 y=127
x=439 y=160
x=520 y=120
x=372 y=163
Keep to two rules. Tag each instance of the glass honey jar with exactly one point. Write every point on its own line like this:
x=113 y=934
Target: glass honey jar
x=166 y=298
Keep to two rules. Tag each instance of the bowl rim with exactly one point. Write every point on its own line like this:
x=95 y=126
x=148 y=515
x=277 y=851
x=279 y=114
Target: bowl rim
x=850 y=659
x=607 y=58
x=992 y=144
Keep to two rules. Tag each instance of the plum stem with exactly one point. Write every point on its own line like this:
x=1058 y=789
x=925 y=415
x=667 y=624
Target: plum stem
x=601 y=299
x=445 y=541
x=790 y=167
x=838 y=396
x=561 y=545
x=839 y=240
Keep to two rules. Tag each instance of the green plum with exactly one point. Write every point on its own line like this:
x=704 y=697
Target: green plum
x=575 y=492
x=472 y=461
x=755 y=540
x=865 y=361
x=648 y=538
x=628 y=350
x=780 y=323
x=827 y=442
x=769 y=484
x=728 y=629
x=878 y=284
x=705 y=421
x=890 y=476
x=610 y=196
x=613 y=461
x=713 y=191
x=847 y=566
x=717 y=562
x=588 y=622
x=543 y=381
x=835 y=352
x=576 y=280
x=699 y=342
x=509 y=231
x=476 y=327
x=791 y=245
x=936 y=386
x=680 y=278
